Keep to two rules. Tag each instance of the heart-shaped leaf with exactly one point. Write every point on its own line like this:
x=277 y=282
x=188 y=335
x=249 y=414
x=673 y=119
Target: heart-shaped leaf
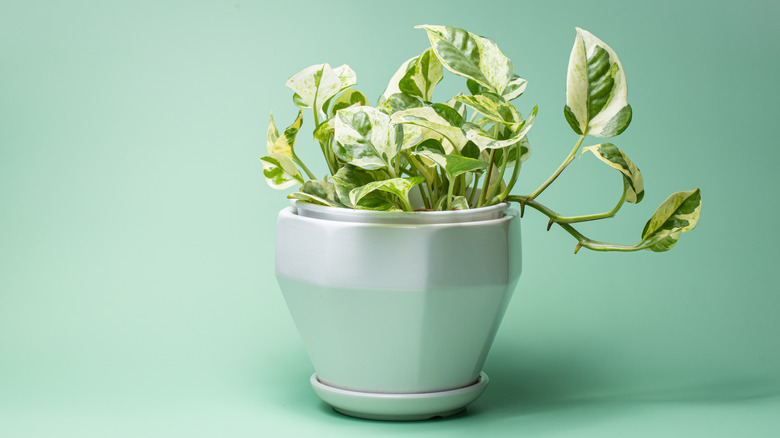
x=392 y=86
x=615 y=158
x=453 y=165
x=399 y=102
x=493 y=107
x=513 y=90
x=472 y=56
x=314 y=86
x=428 y=118
x=350 y=177
x=280 y=171
x=678 y=214
x=595 y=89
x=422 y=76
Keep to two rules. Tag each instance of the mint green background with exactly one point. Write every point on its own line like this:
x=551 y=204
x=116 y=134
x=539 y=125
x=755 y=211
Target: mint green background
x=137 y=295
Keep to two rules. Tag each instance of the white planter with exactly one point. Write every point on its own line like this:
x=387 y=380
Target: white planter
x=397 y=311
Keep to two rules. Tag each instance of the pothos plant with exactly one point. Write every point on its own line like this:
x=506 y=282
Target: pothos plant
x=410 y=152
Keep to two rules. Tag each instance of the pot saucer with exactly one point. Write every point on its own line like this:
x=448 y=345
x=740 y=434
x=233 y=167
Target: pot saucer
x=399 y=407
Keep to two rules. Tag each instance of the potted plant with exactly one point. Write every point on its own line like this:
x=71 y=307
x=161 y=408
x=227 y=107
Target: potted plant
x=398 y=265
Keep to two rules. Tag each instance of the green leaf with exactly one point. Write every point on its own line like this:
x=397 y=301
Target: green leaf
x=596 y=93
x=322 y=190
x=678 y=214
x=513 y=90
x=457 y=106
x=280 y=171
x=347 y=99
x=484 y=140
x=305 y=197
x=615 y=158
x=325 y=130
x=472 y=56
x=285 y=143
x=350 y=177
x=460 y=203
x=365 y=138
x=392 y=86
x=493 y=107
x=314 y=86
x=399 y=102
x=428 y=118
x=422 y=76
x=448 y=113
x=453 y=165
x=397 y=186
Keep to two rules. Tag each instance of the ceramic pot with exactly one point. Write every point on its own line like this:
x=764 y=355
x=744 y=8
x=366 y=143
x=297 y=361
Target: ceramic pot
x=397 y=311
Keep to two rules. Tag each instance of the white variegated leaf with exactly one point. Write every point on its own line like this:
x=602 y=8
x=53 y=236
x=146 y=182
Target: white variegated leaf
x=596 y=92
x=273 y=133
x=397 y=186
x=280 y=171
x=483 y=140
x=471 y=56
x=615 y=158
x=493 y=107
x=365 y=137
x=314 y=86
x=422 y=76
x=680 y=212
x=285 y=143
x=392 y=86
x=429 y=119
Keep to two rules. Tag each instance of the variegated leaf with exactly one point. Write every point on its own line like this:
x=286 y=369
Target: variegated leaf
x=678 y=214
x=322 y=190
x=428 y=118
x=493 y=107
x=485 y=141
x=513 y=90
x=422 y=76
x=285 y=143
x=457 y=106
x=305 y=197
x=397 y=186
x=460 y=203
x=365 y=137
x=596 y=93
x=280 y=171
x=392 y=86
x=347 y=99
x=399 y=102
x=325 y=130
x=350 y=177
x=453 y=165
x=615 y=158
x=314 y=86
x=472 y=56
x=273 y=133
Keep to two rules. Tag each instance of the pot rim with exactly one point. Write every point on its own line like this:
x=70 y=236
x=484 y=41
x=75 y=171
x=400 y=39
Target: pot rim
x=307 y=209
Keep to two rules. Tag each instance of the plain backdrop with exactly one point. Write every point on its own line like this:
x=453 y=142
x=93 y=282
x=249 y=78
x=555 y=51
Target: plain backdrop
x=137 y=294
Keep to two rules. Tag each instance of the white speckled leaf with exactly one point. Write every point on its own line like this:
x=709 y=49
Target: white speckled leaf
x=483 y=140
x=317 y=84
x=392 y=86
x=471 y=56
x=429 y=119
x=285 y=143
x=365 y=137
x=280 y=171
x=615 y=158
x=596 y=92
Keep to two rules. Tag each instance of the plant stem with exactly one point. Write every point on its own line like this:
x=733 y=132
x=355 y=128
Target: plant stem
x=477 y=176
x=497 y=187
x=581 y=239
x=449 y=192
x=515 y=172
x=488 y=176
x=563 y=165
x=593 y=217
x=303 y=166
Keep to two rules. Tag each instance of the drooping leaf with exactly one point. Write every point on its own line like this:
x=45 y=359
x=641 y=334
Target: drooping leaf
x=615 y=158
x=513 y=90
x=428 y=118
x=347 y=99
x=678 y=214
x=399 y=102
x=397 y=186
x=350 y=177
x=285 y=143
x=472 y=56
x=314 y=86
x=322 y=190
x=453 y=165
x=493 y=107
x=280 y=171
x=596 y=93
x=484 y=140
x=422 y=76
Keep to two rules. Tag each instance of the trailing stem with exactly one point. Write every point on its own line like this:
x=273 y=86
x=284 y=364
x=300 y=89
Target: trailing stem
x=552 y=177
x=581 y=239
